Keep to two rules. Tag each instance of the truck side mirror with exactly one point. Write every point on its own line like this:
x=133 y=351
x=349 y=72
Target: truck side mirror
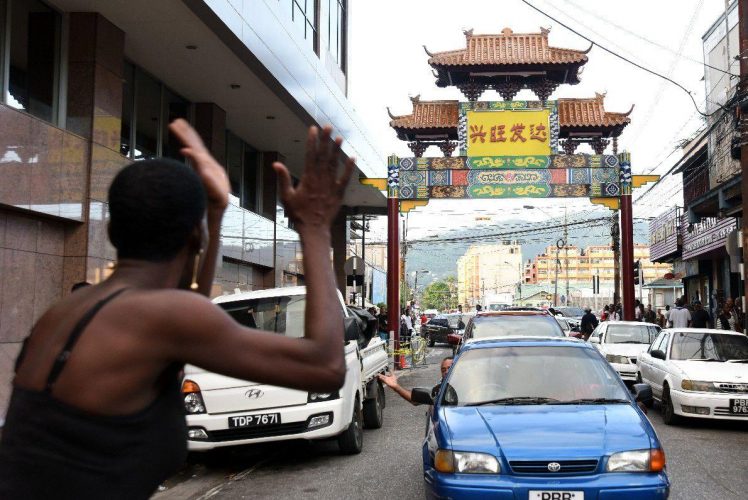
x=421 y=395
x=352 y=330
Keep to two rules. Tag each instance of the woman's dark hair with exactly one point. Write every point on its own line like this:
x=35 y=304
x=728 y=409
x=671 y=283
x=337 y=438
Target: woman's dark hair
x=154 y=205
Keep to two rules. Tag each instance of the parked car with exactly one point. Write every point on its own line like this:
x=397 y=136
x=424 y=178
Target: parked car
x=224 y=411
x=697 y=372
x=538 y=419
x=572 y=314
x=570 y=330
x=436 y=330
x=515 y=323
x=622 y=342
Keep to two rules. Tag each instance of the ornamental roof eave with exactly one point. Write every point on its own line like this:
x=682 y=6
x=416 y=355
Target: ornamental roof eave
x=578 y=117
x=507 y=49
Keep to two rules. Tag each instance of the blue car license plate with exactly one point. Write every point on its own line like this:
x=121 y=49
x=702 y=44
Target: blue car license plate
x=254 y=420
x=739 y=406
x=556 y=495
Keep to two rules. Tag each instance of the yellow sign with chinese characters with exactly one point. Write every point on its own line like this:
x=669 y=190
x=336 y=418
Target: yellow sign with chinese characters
x=508 y=133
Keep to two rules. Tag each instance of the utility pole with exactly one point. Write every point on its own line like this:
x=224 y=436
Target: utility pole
x=555 y=281
x=743 y=90
x=363 y=257
x=615 y=236
x=566 y=252
x=393 y=257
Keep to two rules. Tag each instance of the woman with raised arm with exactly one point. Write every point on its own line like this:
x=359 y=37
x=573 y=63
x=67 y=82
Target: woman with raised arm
x=96 y=410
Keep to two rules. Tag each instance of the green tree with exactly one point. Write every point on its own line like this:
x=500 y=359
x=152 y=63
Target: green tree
x=440 y=295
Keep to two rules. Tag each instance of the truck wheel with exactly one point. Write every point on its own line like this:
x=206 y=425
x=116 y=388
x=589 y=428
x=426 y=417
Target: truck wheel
x=373 y=414
x=432 y=341
x=351 y=441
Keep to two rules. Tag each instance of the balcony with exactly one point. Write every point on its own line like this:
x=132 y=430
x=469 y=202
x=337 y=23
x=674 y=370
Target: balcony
x=695 y=184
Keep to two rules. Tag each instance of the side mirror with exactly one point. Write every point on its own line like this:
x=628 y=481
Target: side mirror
x=657 y=354
x=594 y=340
x=642 y=393
x=352 y=330
x=421 y=395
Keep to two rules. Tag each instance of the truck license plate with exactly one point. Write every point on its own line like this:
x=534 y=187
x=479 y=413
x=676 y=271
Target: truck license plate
x=556 y=495
x=260 y=420
x=739 y=406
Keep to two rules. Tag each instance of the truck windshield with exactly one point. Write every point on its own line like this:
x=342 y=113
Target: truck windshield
x=283 y=315
x=631 y=334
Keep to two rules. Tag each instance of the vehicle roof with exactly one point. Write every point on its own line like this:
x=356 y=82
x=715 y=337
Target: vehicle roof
x=487 y=342
x=488 y=314
x=261 y=294
x=635 y=323
x=703 y=330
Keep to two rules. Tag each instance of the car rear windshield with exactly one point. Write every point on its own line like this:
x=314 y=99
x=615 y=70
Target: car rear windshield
x=630 y=334
x=519 y=325
x=717 y=346
x=552 y=374
x=273 y=314
x=571 y=312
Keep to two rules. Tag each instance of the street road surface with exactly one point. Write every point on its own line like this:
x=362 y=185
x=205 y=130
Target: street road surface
x=706 y=460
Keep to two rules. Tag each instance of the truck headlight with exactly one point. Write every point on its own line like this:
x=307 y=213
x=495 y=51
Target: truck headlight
x=465 y=462
x=697 y=386
x=316 y=397
x=652 y=460
x=615 y=358
x=193 y=399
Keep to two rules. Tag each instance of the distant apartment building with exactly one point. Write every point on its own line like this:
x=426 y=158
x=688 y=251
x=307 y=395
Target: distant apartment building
x=487 y=270
x=578 y=266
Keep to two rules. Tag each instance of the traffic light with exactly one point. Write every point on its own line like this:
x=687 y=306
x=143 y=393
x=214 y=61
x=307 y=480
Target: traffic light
x=637 y=270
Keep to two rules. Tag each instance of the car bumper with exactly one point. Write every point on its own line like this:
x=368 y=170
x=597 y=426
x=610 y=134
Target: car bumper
x=595 y=487
x=718 y=404
x=627 y=372
x=294 y=425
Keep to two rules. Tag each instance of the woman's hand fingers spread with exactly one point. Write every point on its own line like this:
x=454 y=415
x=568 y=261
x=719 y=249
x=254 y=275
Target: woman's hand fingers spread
x=350 y=165
x=186 y=134
x=284 y=179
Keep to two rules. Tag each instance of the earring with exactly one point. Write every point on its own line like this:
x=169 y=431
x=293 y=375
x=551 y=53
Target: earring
x=194 y=285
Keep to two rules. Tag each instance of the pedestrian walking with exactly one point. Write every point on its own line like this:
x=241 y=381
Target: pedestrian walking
x=588 y=324
x=96 y=409
x=649 y=315
x=668 y=323
x=605 y=314
x=699 y=316
x=725 y=319
x=384 y=331
x=638 y=310
x=680 y=317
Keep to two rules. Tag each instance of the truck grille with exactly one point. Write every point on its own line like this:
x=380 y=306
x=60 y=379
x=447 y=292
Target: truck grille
x=257 y=432
x=541 y=466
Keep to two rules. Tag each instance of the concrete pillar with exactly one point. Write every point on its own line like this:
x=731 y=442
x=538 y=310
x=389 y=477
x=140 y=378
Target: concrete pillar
x=210 y=123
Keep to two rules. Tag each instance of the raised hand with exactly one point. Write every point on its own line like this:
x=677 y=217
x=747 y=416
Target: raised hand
x=315 y=202
x=214 y=176
x=388 y=380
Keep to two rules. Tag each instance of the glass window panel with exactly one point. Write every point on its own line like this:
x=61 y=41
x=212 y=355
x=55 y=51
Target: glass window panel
x=147 y=116
x=174 y=107
x=128 y=93
x=33 y=64
x=234 y=153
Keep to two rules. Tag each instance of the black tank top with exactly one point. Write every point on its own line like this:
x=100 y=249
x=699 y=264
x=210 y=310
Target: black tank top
x=51 y=450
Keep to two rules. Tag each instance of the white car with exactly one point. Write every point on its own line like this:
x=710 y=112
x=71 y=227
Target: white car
x=698 y=372
x=224 y=411
x=622 y=342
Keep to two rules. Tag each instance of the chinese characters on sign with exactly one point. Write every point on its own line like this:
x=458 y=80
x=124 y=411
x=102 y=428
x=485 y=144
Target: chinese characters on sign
x=509 y=133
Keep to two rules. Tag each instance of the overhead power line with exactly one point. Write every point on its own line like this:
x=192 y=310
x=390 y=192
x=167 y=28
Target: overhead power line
x=623 y=58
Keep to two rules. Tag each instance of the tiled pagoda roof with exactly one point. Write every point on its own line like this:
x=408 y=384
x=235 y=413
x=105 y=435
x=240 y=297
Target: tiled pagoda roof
x=508 y=48
x=588 y=112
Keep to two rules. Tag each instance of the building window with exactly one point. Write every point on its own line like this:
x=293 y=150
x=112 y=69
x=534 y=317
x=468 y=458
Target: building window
x=30 y=42
x=148 y=107
x=243 y=165
x=337 y=31
x=304 y=17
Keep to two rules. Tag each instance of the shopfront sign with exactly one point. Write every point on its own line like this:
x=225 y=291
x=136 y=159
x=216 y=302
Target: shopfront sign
x=709 y=234
x=663 y=235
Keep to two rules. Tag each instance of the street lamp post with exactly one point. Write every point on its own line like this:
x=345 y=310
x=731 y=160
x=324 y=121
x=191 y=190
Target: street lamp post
x=415 y=281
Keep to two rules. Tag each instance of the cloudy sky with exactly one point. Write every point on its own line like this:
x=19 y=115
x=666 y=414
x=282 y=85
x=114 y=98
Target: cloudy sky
x=388 y=64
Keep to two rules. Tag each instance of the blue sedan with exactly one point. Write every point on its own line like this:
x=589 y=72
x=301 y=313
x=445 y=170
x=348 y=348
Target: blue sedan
x=539 y=419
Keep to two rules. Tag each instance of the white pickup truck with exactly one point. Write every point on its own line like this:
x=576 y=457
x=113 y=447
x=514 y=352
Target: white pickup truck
x=224 y=411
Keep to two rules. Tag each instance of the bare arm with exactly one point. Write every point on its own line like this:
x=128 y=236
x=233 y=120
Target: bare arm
x=209 y=338
x=391 y=382
x=217 y=188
